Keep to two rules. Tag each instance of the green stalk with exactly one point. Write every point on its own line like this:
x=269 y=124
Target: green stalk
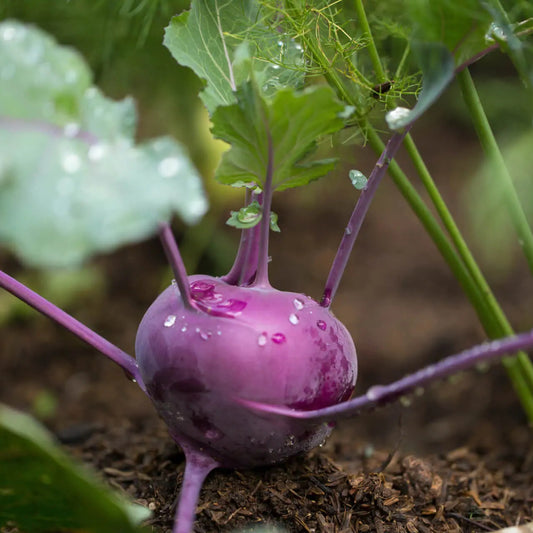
x=372 y=50
x=500 y=171
x=494 y=321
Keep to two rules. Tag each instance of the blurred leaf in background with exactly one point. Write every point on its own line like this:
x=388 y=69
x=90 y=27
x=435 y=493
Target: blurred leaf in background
x=490 y=224
x=72 y=180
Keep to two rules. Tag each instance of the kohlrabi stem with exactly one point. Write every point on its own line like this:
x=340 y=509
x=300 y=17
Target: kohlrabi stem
x=245 y=264
x=500 y=173
x=252 y=253
x=197 y=467
x=382 y=394
x=261 y=278
x=372 y=50
x=176 y=263
x=86 y=334
x=358 y=215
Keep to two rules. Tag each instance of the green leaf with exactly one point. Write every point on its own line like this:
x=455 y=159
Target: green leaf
x=491 y=225
x=437 y=67
x=41 y=489
x=293 y=120
x=249 y=216
x=246 y=217
x=503 y=31
x=358 y=179
x=227 y=43
x=459 y=26
x=72 y=180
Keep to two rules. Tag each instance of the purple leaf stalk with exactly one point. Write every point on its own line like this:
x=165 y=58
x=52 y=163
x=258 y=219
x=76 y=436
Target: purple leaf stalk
x=246 y=375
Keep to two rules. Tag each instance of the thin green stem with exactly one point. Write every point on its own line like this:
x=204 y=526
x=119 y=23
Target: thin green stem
x=500 y=172
x=493 y=319
x=372 y=50
x=493 y=322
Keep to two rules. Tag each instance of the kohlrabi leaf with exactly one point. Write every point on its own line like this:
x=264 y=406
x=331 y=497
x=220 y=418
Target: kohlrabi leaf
x=292 y=121
x=504 y=32
x=246 y=217
x=227 y=43
x=41 y=489
x=249 y=216
x=72 y=180
x=437 y=65
x=459 y=26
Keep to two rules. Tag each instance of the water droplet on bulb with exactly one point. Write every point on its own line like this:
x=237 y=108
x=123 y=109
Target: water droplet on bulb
x=298 y=304
x=169 y=322
x=262 y=339
x=184 y=329
x=278 y=338
x=293 y=319
x=320 y=324
x=205 y=336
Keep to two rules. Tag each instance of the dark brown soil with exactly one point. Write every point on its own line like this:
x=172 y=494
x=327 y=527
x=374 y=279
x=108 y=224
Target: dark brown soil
x=459 y=458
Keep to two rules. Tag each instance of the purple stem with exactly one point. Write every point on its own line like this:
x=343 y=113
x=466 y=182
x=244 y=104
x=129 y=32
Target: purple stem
x=476 y=57
x=86 y=334
x=382 y=394
x=51 y=130
x=252 y=252
x=176 y=263
x=197 y=467
x=245 y=265
x=358 y=215
x=235 y=273
x=261 y=279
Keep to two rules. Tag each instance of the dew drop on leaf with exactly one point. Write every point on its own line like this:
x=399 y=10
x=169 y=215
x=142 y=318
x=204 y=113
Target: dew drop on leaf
x=71 y=163
x=262 y=339
x=97 y=152
x=71 y=129
x=395 y=118
x=169 y=167
x=293 y=319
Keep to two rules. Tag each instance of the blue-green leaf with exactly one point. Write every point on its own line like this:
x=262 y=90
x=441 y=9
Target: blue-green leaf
x=72 y=180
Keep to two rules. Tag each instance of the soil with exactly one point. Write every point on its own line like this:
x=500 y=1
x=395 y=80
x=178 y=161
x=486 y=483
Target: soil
x=459 y=458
